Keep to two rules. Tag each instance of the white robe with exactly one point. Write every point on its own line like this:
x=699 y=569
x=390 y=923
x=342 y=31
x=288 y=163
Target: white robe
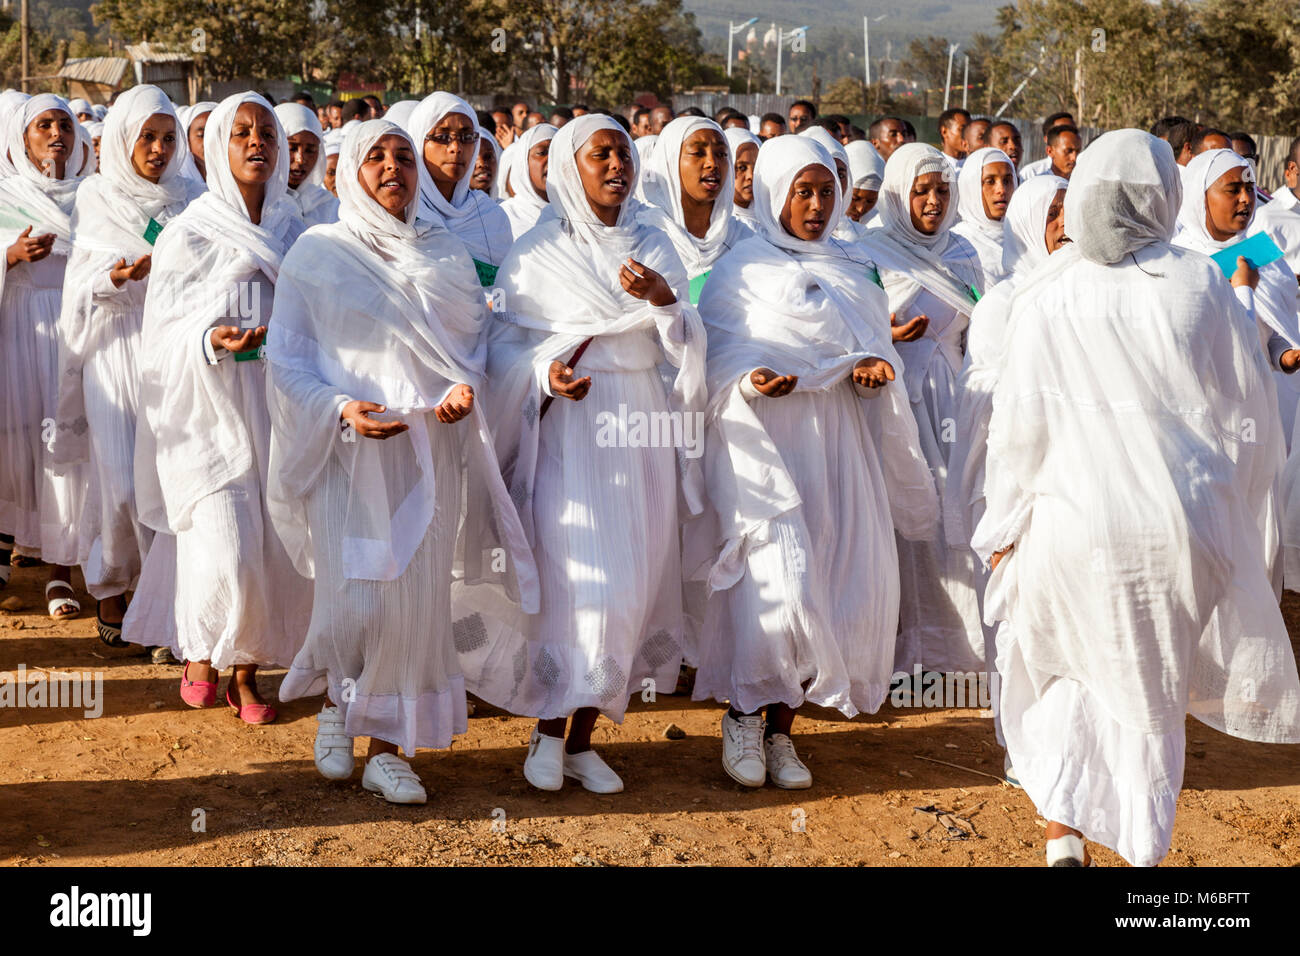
x=602 y=513
x=1138 y=589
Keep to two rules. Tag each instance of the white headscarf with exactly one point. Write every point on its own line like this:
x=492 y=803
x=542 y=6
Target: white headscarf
x=1198 y=176
x=736 y=138
x=910 y=259
x=663 y=206
x=472 y=215
x=79 y=106
x=1024 y=226
x=333 y=144
x=100 y=111
x=44 y=202
x=390 y=310
x=400 y=112
x=525 y=206
x=95 y=130
x=499 y=190
x=866 y=165
x=188 y=114
x=10 y=102
x=1125 y=193
x=779 y=163
x=983 y=232
x=315 y=203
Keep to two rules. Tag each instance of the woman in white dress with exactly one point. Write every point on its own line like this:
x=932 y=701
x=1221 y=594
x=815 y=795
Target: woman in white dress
x=744 y=153
x=447 y=130
x=195 y=120
x=592 y=301
x=239 y=603
x=985 y=185
x=527 y=170
x=118 y=217
x=689 y=195
x=1129 y=567
x=803 y=469
x=932 y=278
x=39 y=508
x=316 y=204
x=1218 y=211
x=366 y=452
x=487 y=164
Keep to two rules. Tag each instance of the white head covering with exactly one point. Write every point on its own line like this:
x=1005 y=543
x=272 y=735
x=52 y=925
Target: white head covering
x=400 y=112
x=100 y=111
x=508 y=154
x=738 y=136
x=296 y=118
x=1198 y=176
x=1124 y=194
x=835 y=149
x=79 y=106
x=10 y=101
x=525 y=206
x=333 y=143
x=187 y=115
x=120 y=132
x=485 y=137
x=663 y=196
x=1023 y=228
x=568 y=198
x=969 y=181
x=779 y=164
x=221 y=181
x=866 y=165
x=95 y=130
x=28 y=187
x=902 y=169
x=470 y=214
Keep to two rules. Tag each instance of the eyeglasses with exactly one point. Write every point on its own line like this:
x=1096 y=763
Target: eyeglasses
x=464 y=137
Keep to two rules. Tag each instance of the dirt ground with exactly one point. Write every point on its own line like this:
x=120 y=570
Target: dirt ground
x=152 y=782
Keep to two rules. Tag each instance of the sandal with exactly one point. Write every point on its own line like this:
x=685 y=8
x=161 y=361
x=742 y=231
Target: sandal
x=59 y=603
x=110 y=634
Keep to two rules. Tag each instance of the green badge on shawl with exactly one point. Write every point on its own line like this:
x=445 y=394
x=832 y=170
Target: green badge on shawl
x=697 y=286
x=152 y=231
x=974 y=293
x=874 y=276
x=487 y=274
x=252 y=355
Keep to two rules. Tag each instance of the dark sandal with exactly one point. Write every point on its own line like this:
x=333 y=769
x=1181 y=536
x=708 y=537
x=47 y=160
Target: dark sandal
x=110 y=634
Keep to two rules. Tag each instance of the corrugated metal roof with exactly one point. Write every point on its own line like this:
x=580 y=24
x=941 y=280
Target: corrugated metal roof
x=156 y=53
x=95 y=69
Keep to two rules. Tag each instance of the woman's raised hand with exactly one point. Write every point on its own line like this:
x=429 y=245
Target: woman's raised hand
x=121 y=272
x=458 y=403
x=909 y=331
x=872 y=373
x=644 y=283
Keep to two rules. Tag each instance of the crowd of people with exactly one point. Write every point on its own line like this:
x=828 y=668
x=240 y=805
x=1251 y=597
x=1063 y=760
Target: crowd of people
x=421 y=401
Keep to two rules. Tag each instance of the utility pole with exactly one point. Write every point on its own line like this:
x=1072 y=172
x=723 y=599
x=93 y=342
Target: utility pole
x=965 y=80
x=947 y=83
x=732 y=30
x=25 y=30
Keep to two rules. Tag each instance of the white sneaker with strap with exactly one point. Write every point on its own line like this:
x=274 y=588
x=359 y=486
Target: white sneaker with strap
x=392 y=777
x=333 y=748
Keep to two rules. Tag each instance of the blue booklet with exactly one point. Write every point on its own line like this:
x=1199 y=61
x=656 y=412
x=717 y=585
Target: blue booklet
x=1259 y=250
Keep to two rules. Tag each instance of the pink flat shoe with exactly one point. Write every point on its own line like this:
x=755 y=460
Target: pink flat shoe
x=252 y=713
x=197 y=693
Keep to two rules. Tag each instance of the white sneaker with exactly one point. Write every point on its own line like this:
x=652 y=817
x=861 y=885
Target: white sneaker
x=593 y=773
x=1066 y=851
x=742 y=749
x=333 y=747
x=544 y=765
x=393 y=778
x=784 y=767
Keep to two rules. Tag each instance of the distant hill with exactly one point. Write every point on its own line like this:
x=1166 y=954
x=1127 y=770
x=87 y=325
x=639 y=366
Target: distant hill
x=957 y=19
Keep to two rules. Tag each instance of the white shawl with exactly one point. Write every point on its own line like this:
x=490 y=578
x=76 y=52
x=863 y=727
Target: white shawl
x=1134 y=497
x=390 y=311
x=118 y=214
x=315 y=203
x=802 y=307
x=559 y=286
x=195 y=441
x=472 y=215
x=736 y=138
